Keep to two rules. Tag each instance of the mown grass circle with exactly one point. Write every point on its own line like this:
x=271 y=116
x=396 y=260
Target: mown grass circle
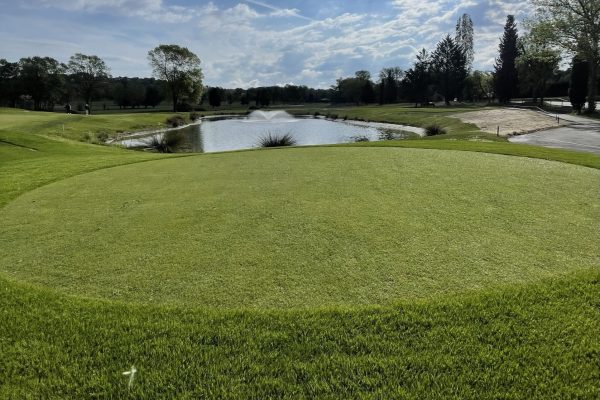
x=312 y=227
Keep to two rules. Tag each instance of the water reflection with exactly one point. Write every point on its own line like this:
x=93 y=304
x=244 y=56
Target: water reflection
x=238 y=133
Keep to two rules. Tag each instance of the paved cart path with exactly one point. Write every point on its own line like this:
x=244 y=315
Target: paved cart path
x=582 y=135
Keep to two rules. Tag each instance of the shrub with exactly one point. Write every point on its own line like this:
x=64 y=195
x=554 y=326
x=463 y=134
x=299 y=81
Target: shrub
x=277 y=140
x=101 y=137
x=361 y=139
x=317 y=114
x=166 y=143
x=434 y=130
x=254 y=108
x=194 y=116
x=199 y=109
x=175 y=121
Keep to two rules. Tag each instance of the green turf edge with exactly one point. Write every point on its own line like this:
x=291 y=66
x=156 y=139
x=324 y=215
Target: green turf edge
x=512 y=149
x=538 y=341
x=533 y=341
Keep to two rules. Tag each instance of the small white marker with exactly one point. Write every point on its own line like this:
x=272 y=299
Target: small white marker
x=131 y=374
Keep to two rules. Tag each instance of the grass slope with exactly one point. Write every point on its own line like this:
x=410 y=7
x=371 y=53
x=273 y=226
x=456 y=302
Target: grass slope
x=407 y=115
x=305 y=227
x=535 y=341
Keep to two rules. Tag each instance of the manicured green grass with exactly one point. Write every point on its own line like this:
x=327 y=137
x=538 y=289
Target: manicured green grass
x=304 y=227
x=536 y=339
x=406 y=115
x=495 y=147
x=76 y=126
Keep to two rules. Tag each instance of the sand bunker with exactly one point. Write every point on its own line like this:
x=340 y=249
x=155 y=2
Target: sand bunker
x=510 y=120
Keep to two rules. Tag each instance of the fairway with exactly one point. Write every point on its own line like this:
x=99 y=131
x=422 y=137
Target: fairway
x=298 y=228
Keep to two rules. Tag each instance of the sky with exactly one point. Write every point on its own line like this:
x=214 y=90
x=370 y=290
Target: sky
x=248 y=43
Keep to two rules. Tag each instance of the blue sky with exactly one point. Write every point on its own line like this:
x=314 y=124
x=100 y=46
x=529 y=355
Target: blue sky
x=244 y=43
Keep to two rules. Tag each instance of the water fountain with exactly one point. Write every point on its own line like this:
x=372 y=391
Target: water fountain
x=278 y=116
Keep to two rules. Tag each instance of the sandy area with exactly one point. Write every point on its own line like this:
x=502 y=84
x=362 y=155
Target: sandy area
x=510 y=120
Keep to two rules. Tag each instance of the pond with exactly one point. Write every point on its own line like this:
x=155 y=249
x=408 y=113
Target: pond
x=214 y=134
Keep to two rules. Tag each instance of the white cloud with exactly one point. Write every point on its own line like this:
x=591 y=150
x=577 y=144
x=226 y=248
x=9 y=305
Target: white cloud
x=154 y=10
x=253 y=42
x=278 y=11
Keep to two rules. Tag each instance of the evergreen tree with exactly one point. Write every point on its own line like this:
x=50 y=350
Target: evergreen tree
x=418 y=78
x=464 y=38
x=448 y=65
x=505 y=76
x=579 y=84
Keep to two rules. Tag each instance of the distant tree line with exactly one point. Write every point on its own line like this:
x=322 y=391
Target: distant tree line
x=527 y=66
x=40 y=83
x=265 y=96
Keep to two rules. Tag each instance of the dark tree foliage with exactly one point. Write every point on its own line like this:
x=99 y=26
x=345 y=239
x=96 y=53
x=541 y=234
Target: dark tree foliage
x=349 y=90
x=417 y=79
x=42 y=78
x=368 y=95
x=9 y=91
x=263 y=97
x=153 y=97
x=87 y=74
x=129 y=92
x=180 y=69
x=367 y=91
x=390 y=79
x=449 y=69
x=505 y=76
x=579 y=84
x=215 y=96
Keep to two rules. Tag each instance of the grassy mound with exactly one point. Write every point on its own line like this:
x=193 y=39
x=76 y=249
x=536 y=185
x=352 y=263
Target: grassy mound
x=533 y=340
x=304 y=227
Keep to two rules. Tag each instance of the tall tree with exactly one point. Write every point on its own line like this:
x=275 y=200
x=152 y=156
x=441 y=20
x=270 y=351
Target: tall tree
x=505 y=74
x=362 y=74
x=448 y=65
x=348 y=90
x=9 y=73
x=390 y=82
x=536 y=65
x=574 y=25
x=418 y=79
x=42 y=79
x=464 y=38
x=180 y=68
x=578 y=84
x=88 y=74
x=367 y=94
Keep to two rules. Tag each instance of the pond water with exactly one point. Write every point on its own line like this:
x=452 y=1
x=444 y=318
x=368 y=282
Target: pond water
x=238 y=133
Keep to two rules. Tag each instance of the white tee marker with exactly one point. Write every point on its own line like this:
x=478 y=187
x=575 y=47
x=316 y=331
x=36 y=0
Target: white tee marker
x=131 y=374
